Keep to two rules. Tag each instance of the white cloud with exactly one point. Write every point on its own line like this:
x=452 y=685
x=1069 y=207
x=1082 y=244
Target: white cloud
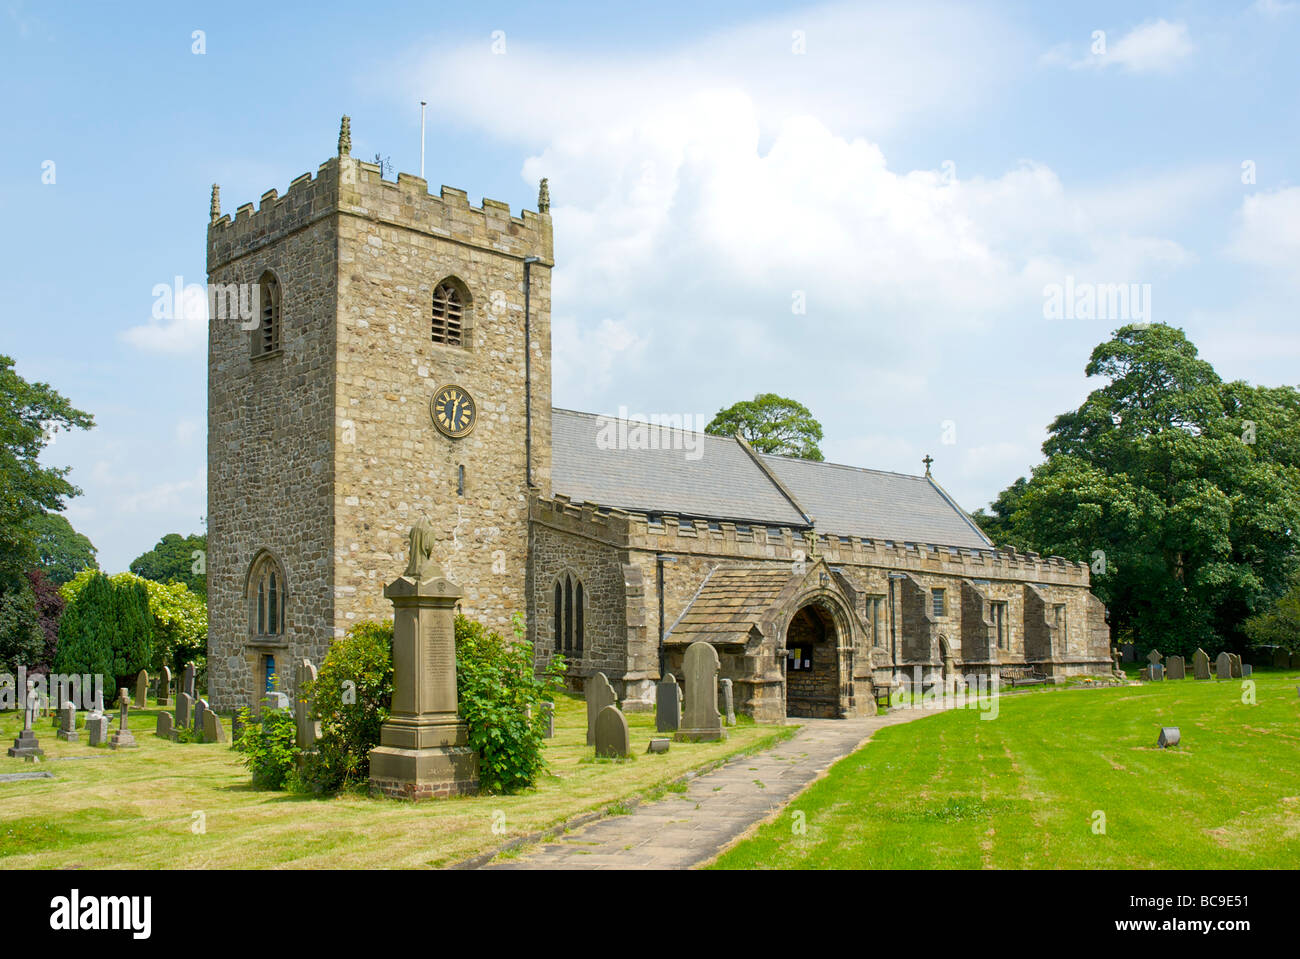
x=179 y=321
x=1267 y=231
x=1157 y=46
x=1273 y=8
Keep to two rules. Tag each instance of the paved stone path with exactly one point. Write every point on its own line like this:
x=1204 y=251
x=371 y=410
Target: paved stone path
x=685 y=829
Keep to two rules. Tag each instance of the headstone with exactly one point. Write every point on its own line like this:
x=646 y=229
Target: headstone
x=1176 y=667
x=213 y=731
x=26 y=746
x=1129 y=652
x=658 y=746
x=668 y=705
x=141 y=689
x=1234 y=664
x=1223 y=667
x=612 y=740
x=165 y=687
x=1169 y=736
x=164 y=729
x=725 y=703
x=1201 y=664
x=701 y=721
x=122 y=739
x=1281 y=658
x=188 y=682
x=184 y=711
x=1247 y=670
x=97 y=729
x=548 y=713
x=307 y=728
x=599 y=694
x=200 y=707
x=424 y=749
x=276 y=701
x=1154 y=658
x=68 y=722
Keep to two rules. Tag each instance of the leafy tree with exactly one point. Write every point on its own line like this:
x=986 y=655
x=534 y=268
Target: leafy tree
x=178 y=618
x=771 y=424
x=29 y=414
x=997 y=524
x=174 y=559
x=49 y=610
x=1181 y=491
x=1279 y=624
x=21 y=641
x=61 y=551
x=106 y=629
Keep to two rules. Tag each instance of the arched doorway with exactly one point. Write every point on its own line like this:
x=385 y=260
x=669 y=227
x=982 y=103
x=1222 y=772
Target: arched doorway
x=812 y=665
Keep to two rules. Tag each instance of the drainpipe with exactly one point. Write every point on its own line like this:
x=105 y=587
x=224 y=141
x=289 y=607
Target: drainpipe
x=528 y=375
x=893 y=622
x=660 y=559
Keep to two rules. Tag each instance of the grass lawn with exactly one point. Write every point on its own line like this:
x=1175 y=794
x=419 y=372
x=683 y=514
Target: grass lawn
x=1021 y=791
x=138 y=808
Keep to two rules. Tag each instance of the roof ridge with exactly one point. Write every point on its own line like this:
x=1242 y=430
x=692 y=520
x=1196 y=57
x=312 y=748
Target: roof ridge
x=840 y=466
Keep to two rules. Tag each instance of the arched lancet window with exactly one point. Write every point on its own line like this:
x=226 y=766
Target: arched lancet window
x=570 y=613
x=266 y=598
x=266 y=338
x=451 y=311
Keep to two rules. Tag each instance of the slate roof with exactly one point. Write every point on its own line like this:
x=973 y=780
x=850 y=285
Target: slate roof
x=729 y=604
x=725 y=482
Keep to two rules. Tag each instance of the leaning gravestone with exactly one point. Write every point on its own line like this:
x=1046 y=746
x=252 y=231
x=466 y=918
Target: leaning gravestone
x=141 y=689
x=307 y=729
x=599 y=694
x=658 y=746
x=701 y=722
x=184 y=711
x=1201 y=664
x=26 y=746
x=213 y=731
x=726 y=706
x=122 y=739
x=1176 y=668
x=1234 y=663
x=668 y=705
x=165 y=687
x=164 y=729
x=97 y=729
x=611 y=734
x=1223 y=667
x=68 y=722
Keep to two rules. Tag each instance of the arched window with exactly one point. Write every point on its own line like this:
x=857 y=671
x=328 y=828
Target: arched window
x=450 y=321
x=266 y=598
x=569 y=615
x=266 y=338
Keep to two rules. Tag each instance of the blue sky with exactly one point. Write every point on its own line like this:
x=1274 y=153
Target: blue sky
x=916 y=174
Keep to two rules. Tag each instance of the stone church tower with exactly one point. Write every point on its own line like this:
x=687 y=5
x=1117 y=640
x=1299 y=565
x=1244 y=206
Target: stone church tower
x=384 y=376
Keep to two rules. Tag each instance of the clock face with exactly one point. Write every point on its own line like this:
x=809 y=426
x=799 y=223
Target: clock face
x=453 y=411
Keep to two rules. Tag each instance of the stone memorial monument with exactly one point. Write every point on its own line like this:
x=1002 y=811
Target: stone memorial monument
x=164 y=729
x=307 y=729
x=67 y=722
x=1176 y=668
x=1201 y=664
x=599 y=694
x=200 y=708
x=213 y=731
x=1234 y=665
x=668 y=705
x=548 y=712
x=702 y=722
x=612 y=739
x=726 y=705
x=423 y=748
x=26 y=745
x=184 y=710
x=122 y=739
x=97 y=729
x=188 y=682
x=141 y=689
x=1223 y=667
x=165 y=687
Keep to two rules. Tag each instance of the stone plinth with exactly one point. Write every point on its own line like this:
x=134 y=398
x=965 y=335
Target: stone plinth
x=423 y=749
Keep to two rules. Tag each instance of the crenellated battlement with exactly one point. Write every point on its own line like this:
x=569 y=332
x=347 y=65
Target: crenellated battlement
x=683 y=536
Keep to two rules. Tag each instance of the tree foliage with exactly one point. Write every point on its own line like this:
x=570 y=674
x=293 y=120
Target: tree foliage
x=49 y=610
x=1181 y=491
x=174 y=559
x=22 y=643
x=61 y=551
x=106 y=629
x=1279 y=623
x=771 y=424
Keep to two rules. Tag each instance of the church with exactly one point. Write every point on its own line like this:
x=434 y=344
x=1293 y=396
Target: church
x=398 y=367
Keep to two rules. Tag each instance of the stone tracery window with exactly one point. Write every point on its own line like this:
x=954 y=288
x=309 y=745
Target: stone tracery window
x=450 y=314
x=569 y=615
x=266 y=598
x=266 y=338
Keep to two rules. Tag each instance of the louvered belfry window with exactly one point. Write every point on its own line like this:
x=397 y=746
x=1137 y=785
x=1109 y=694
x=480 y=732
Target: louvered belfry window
x=267 y=337
x=448 y=316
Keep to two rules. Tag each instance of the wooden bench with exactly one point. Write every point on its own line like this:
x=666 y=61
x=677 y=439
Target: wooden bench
x=1022 y=676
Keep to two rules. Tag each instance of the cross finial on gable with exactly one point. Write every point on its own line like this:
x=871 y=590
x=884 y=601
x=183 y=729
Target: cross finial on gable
x=927 y=461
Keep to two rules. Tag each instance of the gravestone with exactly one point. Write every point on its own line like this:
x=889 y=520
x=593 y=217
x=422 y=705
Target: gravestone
x=1154 y=658
x=1176 y=667
x=1281 y=658
x=1234 y=664
x=726 y=704
x=26 y=746
x=122 y=739
x=188 y=682
x=599 y=694
x=164 y=729
x=658 y=746
x=1169 y=736
x=307 y=729
x=1247 y=670
x=67 y=722
x=236 y=726
x=668 y=705
x=548 y=713
x=97 y=729
x=1223 y=667
x=213 y=731
x=184 y=711
x=424 y=749
x=141 y=689
x=612 y=740
x=200 y=707
x=1201 y=664
x=701 y=721
x=165 y=687
x=1129 y=652
x=276 y=701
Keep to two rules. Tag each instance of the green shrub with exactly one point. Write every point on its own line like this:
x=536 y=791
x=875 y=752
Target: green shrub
x=105 y=630
x=352 y=694
x=496 y=686
x=268 y=748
